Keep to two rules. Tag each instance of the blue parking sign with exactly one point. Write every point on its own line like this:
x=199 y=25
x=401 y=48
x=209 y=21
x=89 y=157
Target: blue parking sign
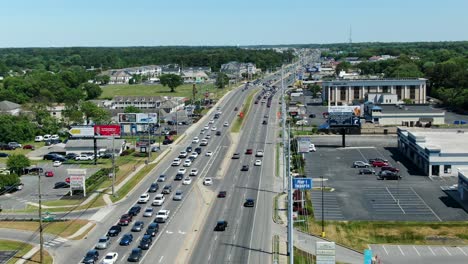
x=302 y=183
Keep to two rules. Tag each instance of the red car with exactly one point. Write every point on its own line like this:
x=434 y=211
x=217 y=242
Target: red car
x=222 y=194
x=49 y=174
x=249 y=151
x=390 y=168
x=28 y=147
x=125 y=219
x=67 y=180
x=379 y=163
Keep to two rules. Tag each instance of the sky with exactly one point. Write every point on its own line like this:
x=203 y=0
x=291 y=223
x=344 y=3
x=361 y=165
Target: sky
x=64 y=23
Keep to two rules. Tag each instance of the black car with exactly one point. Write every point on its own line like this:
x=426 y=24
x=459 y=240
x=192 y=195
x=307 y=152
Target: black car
x=312 y=116
x=114 y=231
x=154 y=187
x=188 y=149
x=249 y=203
x=126 y=239
x=198 y=150
x=236 y=156
x=146 y=242
x=134 y=211
x=366 y=171
x=265 y=122
x=4 y=155
x=179 y=177
x=218 y=133
x=91 y=257
x=152 y=229
x=138 y=226
x=50 y=156
x=167 y=141
x=221 y=225
x=71 y=156
x=135 y=255
x=60 y=185
x=388 y=175
x=106 y=156
x=245 y=168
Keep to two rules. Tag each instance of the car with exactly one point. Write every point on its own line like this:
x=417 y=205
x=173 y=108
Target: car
x=49 y=174
x=154 y=187
x=91 y=257
x=236 y=156
x=249 y=203
x=14 y=145
x=125 y=219
x=245 y=168
x=194 y=154
x=158 y=199
x=221 y=225
x=198 y=150
x=148 y=212
x=378 y=163
x=71 y=156
x=187 y=181
x=193 y=172
x=182 y=171
x=213 y=128
x=226 y=124
x=167 y=189
x=145 y=242
x=265 y=122
x=134 y=211
x=67 y=180
x=60 y=185
x=389 y=168
x=206 y=127
x=84 y=157
x=176 y=162
x=46 y=137
x=138 y=226
x=178 y=195
x=249 y=152
x=52 y=156
x=103 y=242
x=259 y=153
x=236 y=108
x=162 y=178
x=265 y=116
x=218 y=133
x=388 y=175
x=162 y=216
x=187 y=163
x=114 y=231
x=208 y=136
x=152 y=229
x=208 y=153
x=183 y=154
x=377 y=159
x=110 y=258
x=144 y=198
x=222 y=194
x=38 y=138
x=29 y=147
x=188 y=149
x=126 y=239
x=207 y=181
x=312 y=116
x=135 y=255
x=366 y=171
x=258 y=163
x=179 y=177
x=195 y=140
x=204 y=142
x=360 y=164
x=54 y=137
x=211 y=121
x=312 y=148
x=202 y=132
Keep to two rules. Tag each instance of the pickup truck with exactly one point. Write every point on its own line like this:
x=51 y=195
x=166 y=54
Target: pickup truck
x=162 y=216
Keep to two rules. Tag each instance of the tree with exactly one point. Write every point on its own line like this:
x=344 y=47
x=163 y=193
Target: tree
x=9 y=180
x=17 y=162
x=221 y=80
x=132 y=109
x=92 y=90
x=171 y=80
x=94 y=113
x=315 y=89
x=343 y=66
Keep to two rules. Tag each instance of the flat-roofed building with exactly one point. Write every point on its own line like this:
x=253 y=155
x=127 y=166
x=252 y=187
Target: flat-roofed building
x=347 y=92
x=403 y=115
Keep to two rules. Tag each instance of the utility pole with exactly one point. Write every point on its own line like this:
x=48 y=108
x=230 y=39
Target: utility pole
x=290 y=204
x=113 y=166
x=283 y=111
x=323 y=209
x=41 y=237
x=149 y=141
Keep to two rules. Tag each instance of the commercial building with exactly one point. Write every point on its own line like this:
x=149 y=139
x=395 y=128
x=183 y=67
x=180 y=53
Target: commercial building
x=403 y=115
x=436 y=152
x=463 y=184
x=78 y=146
x=347 y=92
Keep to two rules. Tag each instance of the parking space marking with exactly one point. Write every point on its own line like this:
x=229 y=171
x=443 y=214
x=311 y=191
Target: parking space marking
x=416 y=251
x=440 y=220
x=461 y=249
x=386 y=252
x=433 y=253
x=397 y=201
x=331 y=206
x=401 y=250
x=447 y=251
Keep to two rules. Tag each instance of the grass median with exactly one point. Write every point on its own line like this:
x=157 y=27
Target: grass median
x=245 y=109
x=62 y=229
x=22 y=248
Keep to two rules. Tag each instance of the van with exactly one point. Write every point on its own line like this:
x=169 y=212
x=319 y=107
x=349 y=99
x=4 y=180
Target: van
x=38 y=138
x=302 y=123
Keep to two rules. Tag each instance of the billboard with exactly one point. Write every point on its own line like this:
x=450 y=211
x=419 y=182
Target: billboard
x=355 y=109
x=325 y=252
x=107 y=130
x=81 y=131
x=303 y=144
x=138 y=118
x=343 y=119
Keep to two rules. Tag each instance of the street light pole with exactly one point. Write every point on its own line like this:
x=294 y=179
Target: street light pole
x=290 y=204
x=323 y=210
x=41 y=237
x=113 y=166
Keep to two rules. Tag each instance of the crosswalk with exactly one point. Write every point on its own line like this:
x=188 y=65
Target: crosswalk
x=55 y=242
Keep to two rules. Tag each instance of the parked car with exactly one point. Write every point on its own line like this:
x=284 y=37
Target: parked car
x=29 y=147
x=377 y=159
x=361 y=164
x=389 y=168
x=378 y=163
x=366 y=171
x=60 y=185
x=388 y=175
x=4 y=155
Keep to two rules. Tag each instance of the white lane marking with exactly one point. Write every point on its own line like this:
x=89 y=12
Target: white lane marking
x=161 y=258
x=209 y=257
x=386 y=252
x=182 y=233
x=440 y=220
x=169 y=232
x=447 y=251
x=400 y=250
x=394 y=199
x=461 y=249
x=416 y=251
x=433 y=253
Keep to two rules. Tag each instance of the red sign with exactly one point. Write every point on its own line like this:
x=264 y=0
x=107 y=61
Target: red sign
x=107 y=130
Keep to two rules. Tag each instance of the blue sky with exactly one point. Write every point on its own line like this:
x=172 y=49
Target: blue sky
x=56 y=23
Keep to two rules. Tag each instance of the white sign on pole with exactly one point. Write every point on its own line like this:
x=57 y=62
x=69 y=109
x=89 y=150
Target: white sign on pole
x=355 y=109
x=77 y=180
x=325 y=252
x=83 y=131
x=303 y=144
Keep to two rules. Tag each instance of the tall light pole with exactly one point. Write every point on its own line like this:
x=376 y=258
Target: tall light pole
x=113 y=166
x=323 y=209
x=283 y=114
x=41 y=237
x=290 y=204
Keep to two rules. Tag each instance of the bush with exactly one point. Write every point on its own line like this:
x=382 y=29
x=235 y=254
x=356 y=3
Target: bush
x=98 y=178
x=127 y=152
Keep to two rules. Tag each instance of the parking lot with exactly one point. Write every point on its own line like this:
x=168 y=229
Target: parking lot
x=29 y=193
x=420 y=254
x=362 y=197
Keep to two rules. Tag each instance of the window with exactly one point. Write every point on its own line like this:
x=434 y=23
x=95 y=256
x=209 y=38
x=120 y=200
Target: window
x=399 y=92
x=385 y=89
x=342 y=94
x=447 y=168
x=356 y=93
x=412 y=93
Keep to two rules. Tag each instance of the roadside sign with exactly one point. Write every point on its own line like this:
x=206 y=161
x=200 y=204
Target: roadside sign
x=325 y=252
x=367 y=256
x=77 y=180
x=302 y=183
x=303 y=144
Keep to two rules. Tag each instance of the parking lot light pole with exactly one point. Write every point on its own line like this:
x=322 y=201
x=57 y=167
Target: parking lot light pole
x=113 y=166
x=323 y=209
x=41 y=237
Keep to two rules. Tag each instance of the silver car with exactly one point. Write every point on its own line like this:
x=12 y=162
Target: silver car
x=178 y=195
x=148 y=212
x=103 y=242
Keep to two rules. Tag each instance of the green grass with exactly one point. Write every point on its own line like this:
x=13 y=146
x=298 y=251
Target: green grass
x=109 y=91
x=245 y=109
x=9 y=245
x=127 y=187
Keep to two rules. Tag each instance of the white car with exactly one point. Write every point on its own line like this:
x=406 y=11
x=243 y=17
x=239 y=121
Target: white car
x=206 y=127
x=182 y=171
x=194 y=154
x=193 y=172
x=183 y=154
x=195 y=140
x=144 y=198
x=259 y=153
x=57 y=163
x=219 y=112
x=148 y=212
x=54 y=137
x=213 y=128
x=38 y=139
x=187 y=181
x=162 y=216
x=258 y=163
x=202 y=131
x=208 y=136
x=226 y=124
x=208 y=153
x=84 y=157
x=46 y=137
x=176 y=162
x=204 y=142
x=187 y=163
x=312 y=148
x=211 y=121
x=110 y=258
x=159 y=199
x=207 y=181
